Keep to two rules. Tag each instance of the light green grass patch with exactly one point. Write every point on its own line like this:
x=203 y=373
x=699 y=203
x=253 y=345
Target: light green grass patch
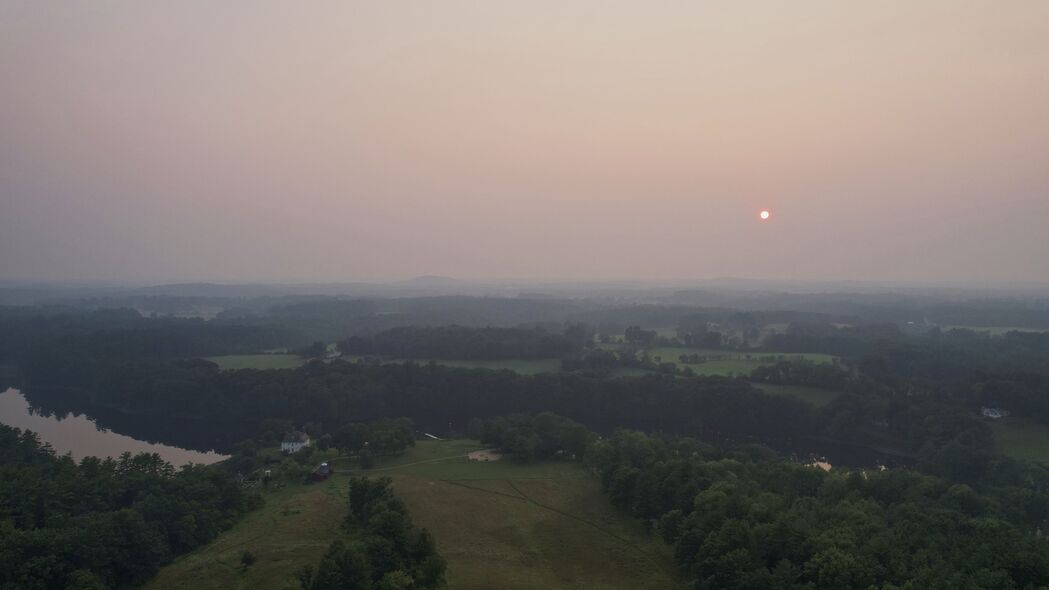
x=729 y=362
x=447 y=460
x=233 y=362
x=292 y=529
x=522 y=366
x=506 y=525
x=1022 y=439
x=497 y=524
x=997 y=330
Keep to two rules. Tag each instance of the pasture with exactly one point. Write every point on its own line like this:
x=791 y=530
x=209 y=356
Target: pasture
x=997 y=330
x=543 y=525
x=729 y=362
x=522 y=366
x=498 y=524
x=292 y=529
x=1022 y=439
x=233 y=362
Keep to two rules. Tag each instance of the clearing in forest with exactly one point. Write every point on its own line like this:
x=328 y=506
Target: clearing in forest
x=499 y=524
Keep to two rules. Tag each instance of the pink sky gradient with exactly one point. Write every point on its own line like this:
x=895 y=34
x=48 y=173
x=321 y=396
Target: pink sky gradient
x=339 y=140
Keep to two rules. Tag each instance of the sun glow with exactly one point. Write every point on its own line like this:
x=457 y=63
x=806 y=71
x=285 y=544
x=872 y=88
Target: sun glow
x=764 y=215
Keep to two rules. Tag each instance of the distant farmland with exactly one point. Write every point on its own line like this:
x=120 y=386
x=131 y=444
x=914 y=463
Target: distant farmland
x=1022 y=439
x=729 y=362
x=257 y=361
x=522 y=366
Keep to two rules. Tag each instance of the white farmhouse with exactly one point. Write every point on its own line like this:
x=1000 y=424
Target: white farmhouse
x=294 y=442
x=994 y=413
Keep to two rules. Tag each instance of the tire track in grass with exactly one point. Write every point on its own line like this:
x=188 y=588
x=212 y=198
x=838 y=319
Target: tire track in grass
x=526 y=498
x=469 y=487
x=623 y=540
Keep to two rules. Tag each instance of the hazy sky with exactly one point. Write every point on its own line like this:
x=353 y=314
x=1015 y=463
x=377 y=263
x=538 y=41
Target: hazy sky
x=251 y=140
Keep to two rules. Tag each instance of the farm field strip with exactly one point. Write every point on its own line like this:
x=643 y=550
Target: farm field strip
x=1022 y=439
x=233 y=362
x=522 y=366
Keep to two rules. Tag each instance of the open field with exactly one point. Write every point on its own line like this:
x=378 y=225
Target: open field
x=997 y=330
x=724 y=363
x=729 y=362
x=293 y=529
x=815 y=396
x=508 y=526
x=1022 y=439
x=257 y=361
x=525 y=367
x=498 y=524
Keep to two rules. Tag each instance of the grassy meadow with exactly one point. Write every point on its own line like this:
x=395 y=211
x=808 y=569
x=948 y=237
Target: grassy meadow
x=232 y=362
x=1022 y=439
x=729 y=362
x=997 y=330
x=723 y=362
x=510 y=526
x=499 y=525
x=292 y=529
x=522 y=366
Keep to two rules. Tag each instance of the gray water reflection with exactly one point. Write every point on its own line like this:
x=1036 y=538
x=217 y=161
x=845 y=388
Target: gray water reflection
x=80 y=436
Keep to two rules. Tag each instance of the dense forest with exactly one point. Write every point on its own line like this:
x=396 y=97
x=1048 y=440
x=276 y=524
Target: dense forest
x=434 y=396
x=749 y=520
x=533 y=437
x=102 y=523
x=914 y=390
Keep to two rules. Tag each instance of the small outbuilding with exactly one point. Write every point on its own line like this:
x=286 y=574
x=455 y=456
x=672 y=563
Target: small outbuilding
x=993 y=413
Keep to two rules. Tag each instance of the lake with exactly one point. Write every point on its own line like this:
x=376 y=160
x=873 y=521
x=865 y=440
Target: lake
x=81 y=437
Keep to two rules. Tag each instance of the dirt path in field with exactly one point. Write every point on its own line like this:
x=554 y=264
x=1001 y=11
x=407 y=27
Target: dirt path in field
x=485 y=455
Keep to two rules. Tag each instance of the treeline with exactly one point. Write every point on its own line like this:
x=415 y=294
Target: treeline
x=102 y=523
x=744 y=521
x=461 y=342
x=382 y=549
x=367 y=441
x=437 y=398
x=530 y=437
x=886 y=350
x=29 y=336
x=948 y=438
x=804 y=373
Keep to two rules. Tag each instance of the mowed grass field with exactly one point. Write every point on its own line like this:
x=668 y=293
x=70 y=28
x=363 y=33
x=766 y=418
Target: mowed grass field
x=1022 y=439
x=728 y=362
x=499 y=525
x=293 y=529
x=502 y=525
x=257 y=361
x=998 y=330
x=522 y=366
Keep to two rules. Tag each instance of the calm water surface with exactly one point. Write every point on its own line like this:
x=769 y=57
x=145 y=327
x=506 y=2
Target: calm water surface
x=78 y=435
